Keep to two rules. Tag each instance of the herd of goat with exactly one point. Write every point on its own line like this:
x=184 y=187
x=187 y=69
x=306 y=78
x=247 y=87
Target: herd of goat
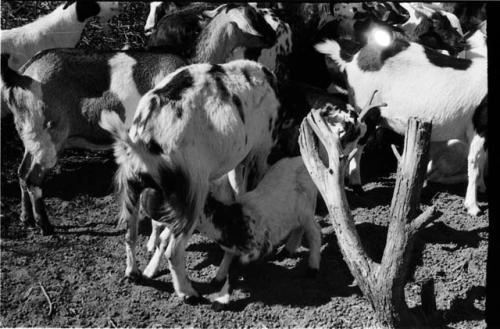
x=204 y=122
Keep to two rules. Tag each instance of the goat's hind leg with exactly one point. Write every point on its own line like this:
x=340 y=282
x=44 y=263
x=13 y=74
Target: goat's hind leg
x=154 y=264
x=177 y=265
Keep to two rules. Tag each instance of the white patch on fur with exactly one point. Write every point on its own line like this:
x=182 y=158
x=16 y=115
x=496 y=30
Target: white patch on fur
x=151 y=19
x=123 y=85
x=332 y=49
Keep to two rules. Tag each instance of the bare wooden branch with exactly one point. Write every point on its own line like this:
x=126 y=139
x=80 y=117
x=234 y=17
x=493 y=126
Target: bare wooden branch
x=330 y=183
x=383 y=284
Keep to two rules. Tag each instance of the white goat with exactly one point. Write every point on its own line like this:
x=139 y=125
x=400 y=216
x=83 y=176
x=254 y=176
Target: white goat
x=417 y=81
x=196 y=125
x=155 y=10
x=79 y=84
x=62 y=28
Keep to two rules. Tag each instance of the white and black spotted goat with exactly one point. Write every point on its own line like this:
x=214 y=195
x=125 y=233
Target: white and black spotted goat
x=198 y=124
x=418 y=81
x=59 y=94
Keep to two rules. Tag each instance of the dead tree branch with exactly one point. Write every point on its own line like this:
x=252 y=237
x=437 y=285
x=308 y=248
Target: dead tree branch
x=383 y=284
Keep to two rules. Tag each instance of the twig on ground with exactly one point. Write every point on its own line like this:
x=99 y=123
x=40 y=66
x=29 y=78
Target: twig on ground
x=48 y=299
x=28 y=293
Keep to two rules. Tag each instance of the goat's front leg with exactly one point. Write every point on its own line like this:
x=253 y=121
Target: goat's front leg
x=476 y=152
x=224 y=266
x=26 y=207
x=34 y=181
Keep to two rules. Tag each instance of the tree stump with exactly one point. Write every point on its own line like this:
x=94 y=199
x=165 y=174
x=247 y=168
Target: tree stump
x=383 y=284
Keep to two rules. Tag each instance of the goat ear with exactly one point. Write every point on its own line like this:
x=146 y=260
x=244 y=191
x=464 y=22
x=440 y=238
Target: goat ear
x=68 y=3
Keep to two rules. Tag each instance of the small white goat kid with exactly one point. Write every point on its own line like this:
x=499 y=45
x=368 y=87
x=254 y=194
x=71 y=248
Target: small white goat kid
x=415 y=81
x=198 y=124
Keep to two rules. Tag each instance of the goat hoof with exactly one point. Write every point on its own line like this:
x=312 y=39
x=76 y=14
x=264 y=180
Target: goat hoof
x=194 y=300
x=312 y=273
x=282 y=254
x=217 y=307
x=474 y=211
x=358 y=189
x=27 y=220
x=133 y=278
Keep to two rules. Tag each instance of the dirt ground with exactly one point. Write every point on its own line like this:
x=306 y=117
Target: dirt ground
x=81 y=266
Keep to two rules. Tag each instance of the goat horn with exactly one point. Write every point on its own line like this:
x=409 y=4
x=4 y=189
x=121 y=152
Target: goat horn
x=367 y=109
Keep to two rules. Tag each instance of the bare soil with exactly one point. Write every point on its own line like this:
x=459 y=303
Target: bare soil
x=81 y=266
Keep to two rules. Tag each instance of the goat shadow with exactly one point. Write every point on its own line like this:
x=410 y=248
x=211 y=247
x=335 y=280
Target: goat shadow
x=81 y=173
x=270 y=283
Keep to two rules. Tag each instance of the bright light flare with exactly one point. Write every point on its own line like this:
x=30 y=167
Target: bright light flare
x=381 y=37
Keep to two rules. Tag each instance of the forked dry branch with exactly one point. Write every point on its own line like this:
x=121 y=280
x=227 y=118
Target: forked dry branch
x=382 y=283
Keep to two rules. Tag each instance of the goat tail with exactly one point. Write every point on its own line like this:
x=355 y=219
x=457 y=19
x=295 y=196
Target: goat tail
x=332 y=49
x=140 y=167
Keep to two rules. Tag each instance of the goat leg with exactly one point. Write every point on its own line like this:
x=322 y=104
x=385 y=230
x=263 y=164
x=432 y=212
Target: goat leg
x=26 y=208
